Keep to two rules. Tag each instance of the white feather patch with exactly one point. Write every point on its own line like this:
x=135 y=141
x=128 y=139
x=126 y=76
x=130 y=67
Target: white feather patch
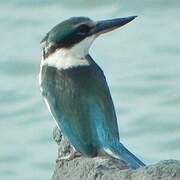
x=111 y=153
x=65 y=58
x=47 y=104
x=40 y=75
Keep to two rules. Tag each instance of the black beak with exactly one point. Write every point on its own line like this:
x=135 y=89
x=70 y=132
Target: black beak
x=109 y=25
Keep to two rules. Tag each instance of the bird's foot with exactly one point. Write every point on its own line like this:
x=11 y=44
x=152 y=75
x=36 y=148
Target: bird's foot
x=69 y=157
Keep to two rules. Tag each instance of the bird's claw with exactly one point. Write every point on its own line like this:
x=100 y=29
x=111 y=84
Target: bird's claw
x=69 y=157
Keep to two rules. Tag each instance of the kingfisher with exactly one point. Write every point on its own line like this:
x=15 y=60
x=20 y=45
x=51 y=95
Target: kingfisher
x=75 y=89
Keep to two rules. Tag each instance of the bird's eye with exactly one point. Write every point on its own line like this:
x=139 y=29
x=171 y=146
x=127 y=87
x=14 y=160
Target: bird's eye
x=83 y=29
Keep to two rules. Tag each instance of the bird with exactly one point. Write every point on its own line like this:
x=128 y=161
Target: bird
x=75 y=89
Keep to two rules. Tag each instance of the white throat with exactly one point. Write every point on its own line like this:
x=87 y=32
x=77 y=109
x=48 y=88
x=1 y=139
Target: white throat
x=66 y=58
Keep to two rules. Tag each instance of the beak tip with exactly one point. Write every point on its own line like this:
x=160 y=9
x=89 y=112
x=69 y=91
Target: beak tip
x=130 y=18
x=133 y=17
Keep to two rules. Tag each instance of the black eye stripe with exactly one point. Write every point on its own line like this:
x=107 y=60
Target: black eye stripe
x=83 y=29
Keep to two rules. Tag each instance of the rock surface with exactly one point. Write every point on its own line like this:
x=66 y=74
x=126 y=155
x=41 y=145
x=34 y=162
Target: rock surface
x=82 y=168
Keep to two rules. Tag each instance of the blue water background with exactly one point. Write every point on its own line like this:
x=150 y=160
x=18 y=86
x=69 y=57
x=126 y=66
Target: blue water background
x=141 y=62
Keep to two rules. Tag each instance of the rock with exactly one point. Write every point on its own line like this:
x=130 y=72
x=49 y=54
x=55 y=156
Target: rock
x=83 y=168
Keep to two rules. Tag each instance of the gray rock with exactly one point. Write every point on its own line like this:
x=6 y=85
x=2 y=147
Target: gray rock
x=83 y=168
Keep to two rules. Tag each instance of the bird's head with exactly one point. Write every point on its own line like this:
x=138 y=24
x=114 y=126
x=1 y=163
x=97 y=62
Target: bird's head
x=78 y=33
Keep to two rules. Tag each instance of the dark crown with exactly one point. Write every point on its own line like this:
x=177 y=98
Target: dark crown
x=66 y=34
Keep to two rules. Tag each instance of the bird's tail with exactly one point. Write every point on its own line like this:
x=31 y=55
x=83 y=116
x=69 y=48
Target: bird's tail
x=120 y=152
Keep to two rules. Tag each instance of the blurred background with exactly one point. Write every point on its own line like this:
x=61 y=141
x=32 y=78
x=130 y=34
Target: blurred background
x=141 y=62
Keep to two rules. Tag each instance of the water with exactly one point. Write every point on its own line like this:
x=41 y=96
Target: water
x=141 y=62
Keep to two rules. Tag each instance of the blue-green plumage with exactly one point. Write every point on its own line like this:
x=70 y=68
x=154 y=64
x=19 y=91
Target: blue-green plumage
x=76 y=91
x=74 y=96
